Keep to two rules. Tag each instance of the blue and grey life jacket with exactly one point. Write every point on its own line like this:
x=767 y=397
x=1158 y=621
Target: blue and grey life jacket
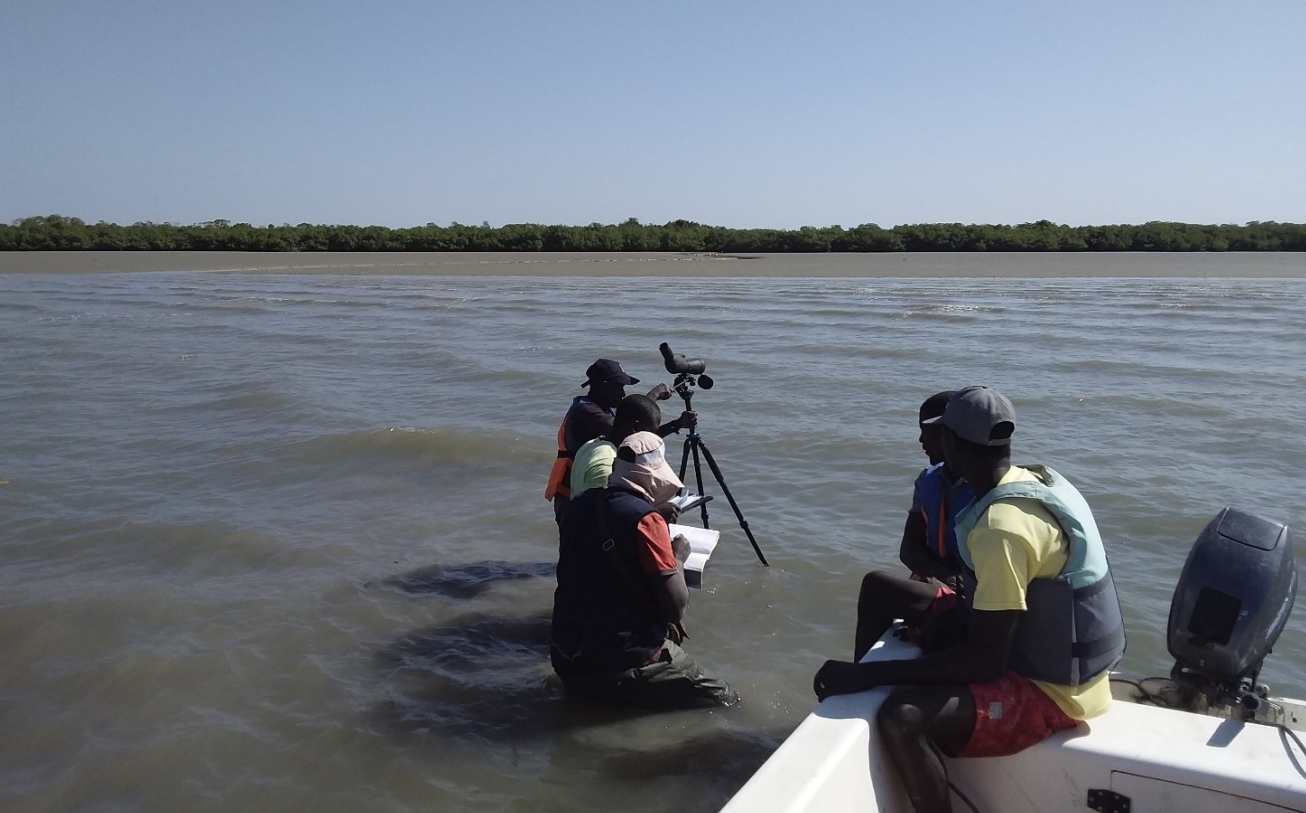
x=1072 y=630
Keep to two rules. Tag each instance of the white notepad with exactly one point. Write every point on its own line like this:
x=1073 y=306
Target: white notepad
x=702 y=542
x=688 y=500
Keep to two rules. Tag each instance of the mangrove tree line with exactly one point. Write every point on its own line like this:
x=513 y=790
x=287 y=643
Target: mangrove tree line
x=56 y=232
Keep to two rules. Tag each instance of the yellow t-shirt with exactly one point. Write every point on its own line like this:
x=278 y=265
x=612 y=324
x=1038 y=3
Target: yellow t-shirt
x=1015 y=541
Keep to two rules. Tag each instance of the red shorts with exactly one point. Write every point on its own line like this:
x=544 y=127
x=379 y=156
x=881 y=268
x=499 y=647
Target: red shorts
x=1011 y=714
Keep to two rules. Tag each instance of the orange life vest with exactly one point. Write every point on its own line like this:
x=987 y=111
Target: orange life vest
x=560 y=477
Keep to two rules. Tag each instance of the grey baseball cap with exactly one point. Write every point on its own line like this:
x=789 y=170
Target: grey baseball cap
x=976 y=414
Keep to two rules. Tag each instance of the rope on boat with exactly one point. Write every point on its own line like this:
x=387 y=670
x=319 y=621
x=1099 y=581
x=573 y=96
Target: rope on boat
x=963 y=797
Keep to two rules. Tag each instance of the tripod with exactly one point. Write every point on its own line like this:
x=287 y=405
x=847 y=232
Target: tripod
x=693 y=445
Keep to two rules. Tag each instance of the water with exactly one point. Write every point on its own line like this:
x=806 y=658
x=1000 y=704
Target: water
x=278 y=542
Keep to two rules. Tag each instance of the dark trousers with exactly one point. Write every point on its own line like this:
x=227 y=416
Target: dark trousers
x=671 y=681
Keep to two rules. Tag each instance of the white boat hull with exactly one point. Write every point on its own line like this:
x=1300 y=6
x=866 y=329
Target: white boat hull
x=1159 y=759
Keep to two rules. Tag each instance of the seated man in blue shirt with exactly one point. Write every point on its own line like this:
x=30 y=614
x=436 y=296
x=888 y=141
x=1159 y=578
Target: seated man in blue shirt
x=929 y=548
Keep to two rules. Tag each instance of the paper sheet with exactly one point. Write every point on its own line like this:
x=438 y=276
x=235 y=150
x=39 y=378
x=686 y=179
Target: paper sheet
x=702 y=542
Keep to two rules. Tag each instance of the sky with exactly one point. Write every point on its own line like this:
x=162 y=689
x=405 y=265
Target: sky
x=742 y=114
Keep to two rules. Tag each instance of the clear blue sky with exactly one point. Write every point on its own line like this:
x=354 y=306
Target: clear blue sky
x=767 y=114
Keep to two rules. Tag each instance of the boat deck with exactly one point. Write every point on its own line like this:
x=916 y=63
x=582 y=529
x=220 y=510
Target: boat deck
x=1157 y=759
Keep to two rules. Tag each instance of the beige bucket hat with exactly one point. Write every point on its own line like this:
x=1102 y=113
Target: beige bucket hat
x=649 y=474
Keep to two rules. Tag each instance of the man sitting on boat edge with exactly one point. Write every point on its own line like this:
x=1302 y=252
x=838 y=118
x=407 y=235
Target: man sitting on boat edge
x=1045 y=625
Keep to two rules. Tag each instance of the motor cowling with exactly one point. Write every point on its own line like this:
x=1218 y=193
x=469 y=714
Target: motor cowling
x=1233 y=599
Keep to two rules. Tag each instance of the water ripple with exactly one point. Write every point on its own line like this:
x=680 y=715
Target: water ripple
x=280 y=542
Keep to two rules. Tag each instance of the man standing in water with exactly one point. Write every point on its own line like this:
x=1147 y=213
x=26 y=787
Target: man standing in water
x=591 y=416
x=621 y=596
x=1045 y=624
x=929 y=549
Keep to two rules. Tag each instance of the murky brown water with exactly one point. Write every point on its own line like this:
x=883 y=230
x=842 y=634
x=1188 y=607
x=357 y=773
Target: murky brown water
x=277 y=541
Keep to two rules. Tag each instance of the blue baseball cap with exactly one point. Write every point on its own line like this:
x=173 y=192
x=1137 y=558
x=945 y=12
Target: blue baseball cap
x=605 y=370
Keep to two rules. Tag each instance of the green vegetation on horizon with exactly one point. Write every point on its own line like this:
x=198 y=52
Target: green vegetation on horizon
x=59 y=233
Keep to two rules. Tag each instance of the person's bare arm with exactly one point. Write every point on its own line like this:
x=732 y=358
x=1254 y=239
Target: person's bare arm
x=687 y=420
x=911 y=551
x=670 y=591
x=668 y=511
x=672 y=595
x=915 y=551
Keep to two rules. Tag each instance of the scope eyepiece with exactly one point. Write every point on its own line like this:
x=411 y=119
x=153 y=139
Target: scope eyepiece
x=679 y=363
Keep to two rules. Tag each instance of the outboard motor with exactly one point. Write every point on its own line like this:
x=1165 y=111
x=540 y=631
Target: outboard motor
x=1232 y=601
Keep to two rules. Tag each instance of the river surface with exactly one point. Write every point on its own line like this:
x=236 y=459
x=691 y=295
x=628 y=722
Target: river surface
x=277 y=541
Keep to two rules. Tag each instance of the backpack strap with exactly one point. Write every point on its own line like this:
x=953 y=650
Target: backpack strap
x=609 y=546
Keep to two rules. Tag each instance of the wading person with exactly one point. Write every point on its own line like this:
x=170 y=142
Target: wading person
x=590 y=416
x=928 y=601
x=1045 y=624
x=621 y=595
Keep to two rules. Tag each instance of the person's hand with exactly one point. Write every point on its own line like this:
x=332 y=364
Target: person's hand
x=680 y=547
x=688 y=419
x=838 y=677
x=660 y=392
x=676 y=632
x=669 y=511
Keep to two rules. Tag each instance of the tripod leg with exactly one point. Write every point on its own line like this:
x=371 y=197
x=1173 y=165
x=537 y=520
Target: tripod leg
x=716 y=472
x=698 y=475
x=691 y=442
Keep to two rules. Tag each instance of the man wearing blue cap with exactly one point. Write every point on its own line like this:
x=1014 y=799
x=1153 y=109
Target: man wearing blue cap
x=1044 y=625
x=591 y=416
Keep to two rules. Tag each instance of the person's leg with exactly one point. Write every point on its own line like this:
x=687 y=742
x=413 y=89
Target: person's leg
x=672 y=681
x=883 y=598
x=914 y=722
x=675 y=681
x=560 y=504
x=994 y=719
x=1011 y=714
